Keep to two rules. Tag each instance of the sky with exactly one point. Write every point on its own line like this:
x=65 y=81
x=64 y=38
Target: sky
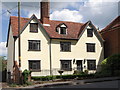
x=100 y=12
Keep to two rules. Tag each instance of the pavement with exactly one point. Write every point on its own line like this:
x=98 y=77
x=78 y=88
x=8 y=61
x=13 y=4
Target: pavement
x=72 y=82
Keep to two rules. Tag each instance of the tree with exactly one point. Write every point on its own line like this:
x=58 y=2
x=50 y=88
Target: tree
x=3 y=64
x=111 y=65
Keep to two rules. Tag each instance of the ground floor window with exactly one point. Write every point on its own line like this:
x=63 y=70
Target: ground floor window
x=34 y=65
x=91 y=64
x=66 y=65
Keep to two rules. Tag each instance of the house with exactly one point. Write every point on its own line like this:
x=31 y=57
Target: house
x=48 y=45
x=111 y=35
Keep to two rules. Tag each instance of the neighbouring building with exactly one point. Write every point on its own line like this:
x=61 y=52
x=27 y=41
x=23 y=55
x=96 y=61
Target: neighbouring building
x=48 y=45
x=111 y=35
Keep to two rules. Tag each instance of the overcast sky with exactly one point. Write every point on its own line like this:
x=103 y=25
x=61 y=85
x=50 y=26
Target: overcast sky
x=100 y=12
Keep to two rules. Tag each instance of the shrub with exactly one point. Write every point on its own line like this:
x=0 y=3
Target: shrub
x=43 y=78
x=26 y=73
x=13 y=85
x=111 y=65
x=65 y=77
x=29 y=83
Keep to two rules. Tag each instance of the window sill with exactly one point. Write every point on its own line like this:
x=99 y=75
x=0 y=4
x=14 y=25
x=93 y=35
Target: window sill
x=65 y=51
x=34 y=50
x=91 y=52
x=66 y=70
x=35 y=70
x=33 y=32
x=91 y=70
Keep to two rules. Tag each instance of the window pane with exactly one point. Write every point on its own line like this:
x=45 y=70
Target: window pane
x=62 y=30
x=66 y=65
x=65 y=46
x=34 y=27
x=89 y=32
x=34 y=65
x=90 y=47
x=34 y=44
x=91 y=64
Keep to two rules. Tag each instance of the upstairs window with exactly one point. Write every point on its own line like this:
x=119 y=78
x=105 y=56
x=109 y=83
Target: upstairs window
x=89 y=32
x=90 y=47
x=34 y=45
x=65 y=46
x=62 y=30
x=34 y=27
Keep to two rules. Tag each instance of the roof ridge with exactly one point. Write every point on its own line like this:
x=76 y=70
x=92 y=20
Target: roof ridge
x=51 y=20
x=20 y=17
x=110 y=24
x=67 y=21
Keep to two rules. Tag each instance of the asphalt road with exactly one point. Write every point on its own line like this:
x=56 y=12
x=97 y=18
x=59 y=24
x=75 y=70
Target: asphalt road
x=105 y=84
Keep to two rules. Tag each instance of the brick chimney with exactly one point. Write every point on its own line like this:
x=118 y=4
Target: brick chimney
x=45 y=7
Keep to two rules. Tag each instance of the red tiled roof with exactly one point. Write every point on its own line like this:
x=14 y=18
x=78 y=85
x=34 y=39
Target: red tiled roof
x=113 y=24
x=73 y=29
x=14 y=24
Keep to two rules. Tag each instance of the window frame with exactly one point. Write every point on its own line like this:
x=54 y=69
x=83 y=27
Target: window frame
x=91 y=47
x=93 y=62
x=63 y=28
x=63 y=48
x=89 y=32
x=33 y=31
x=69 y=67
x=38 y=67
x=38 y=42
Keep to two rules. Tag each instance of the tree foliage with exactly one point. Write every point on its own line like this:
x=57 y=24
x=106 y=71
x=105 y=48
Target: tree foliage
x=3 y=65
x=111 y=65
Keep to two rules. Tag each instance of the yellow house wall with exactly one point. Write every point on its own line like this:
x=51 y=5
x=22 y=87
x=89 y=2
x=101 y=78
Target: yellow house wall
x=42 y=55
x=10 y=49
x=78 y=51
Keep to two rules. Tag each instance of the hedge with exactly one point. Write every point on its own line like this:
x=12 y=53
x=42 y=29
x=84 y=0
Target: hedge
x=47 y=78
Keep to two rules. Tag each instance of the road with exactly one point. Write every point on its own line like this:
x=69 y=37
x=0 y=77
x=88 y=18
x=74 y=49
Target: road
x=110 y=85
x=105 y=84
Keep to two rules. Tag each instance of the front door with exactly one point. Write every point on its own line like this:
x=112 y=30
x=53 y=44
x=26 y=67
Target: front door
x=79 y=65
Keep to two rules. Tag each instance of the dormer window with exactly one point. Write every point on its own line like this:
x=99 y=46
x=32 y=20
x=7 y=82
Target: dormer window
x=34 y=27
x=62 y=29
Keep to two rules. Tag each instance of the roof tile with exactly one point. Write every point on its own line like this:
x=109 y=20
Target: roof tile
x=73 y=29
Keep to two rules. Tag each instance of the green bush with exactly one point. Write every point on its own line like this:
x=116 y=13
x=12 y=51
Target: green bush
x=111 y=66
x=47 y=78
x=25 y=74
x=29 y=83
x=13 y=85
x=43 y=78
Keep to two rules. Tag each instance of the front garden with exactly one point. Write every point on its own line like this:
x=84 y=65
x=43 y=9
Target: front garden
x=110 y=67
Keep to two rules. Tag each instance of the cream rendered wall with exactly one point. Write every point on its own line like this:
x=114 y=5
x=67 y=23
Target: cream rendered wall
x=16 y=51
x=78 y=52
x=10 y=52
x=42 y=55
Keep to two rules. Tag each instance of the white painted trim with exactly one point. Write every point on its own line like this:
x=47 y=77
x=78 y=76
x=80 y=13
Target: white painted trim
x=46 y=24
x=66 y=58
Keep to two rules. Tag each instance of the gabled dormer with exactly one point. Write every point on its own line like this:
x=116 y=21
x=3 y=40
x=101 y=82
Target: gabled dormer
x=62 y=29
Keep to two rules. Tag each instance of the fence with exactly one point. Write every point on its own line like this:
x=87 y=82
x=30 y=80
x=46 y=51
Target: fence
x=55 y=71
